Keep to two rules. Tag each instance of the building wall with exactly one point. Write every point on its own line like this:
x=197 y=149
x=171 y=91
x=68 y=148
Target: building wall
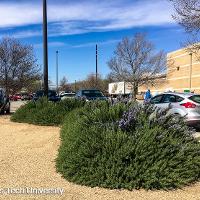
x=178 y=73
x=180 y=64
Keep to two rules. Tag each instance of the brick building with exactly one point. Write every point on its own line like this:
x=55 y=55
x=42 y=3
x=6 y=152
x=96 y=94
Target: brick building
x=183 y=73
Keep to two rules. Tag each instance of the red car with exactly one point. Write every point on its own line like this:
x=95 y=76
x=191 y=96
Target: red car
x=15 y=97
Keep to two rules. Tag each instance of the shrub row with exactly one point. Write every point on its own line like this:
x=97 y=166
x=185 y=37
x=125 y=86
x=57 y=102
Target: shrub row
x=121 y=146
x=44 y=112
x=126 y=146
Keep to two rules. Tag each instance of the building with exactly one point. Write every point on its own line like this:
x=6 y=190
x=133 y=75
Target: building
x=183 y=73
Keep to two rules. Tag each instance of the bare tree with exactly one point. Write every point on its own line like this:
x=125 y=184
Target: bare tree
x=187 y=14
x=135 y=61
x=64 y=84
x=90 y=82
x=18 y=67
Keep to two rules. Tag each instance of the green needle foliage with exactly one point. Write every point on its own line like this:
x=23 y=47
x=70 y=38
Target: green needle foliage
x=44 y=112
x=150 y=151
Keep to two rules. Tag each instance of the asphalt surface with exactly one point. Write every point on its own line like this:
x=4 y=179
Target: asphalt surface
x=15 y=105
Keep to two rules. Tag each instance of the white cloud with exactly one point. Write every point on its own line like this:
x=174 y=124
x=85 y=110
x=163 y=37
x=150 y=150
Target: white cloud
x=18 y=14
x=87 y=16
x=90 y=44
x=50 y=44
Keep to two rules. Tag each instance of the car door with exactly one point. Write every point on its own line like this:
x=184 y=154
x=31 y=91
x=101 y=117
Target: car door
x=169 y=100
x=157 y=100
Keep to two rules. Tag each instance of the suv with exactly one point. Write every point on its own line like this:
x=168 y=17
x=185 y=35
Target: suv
x=183 y=104
x=52 y=95
x=90 y=94
x=4 y=102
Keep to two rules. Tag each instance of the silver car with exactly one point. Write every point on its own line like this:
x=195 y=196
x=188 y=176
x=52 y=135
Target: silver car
x=183 y=104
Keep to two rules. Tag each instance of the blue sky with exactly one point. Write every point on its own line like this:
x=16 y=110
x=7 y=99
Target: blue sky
x=75 y=26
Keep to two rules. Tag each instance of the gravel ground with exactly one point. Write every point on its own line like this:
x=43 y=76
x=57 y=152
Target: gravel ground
x=27 y=160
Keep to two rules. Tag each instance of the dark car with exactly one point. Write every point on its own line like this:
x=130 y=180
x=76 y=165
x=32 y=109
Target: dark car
x=90 y=94
x=4 y=102
x=52 y=95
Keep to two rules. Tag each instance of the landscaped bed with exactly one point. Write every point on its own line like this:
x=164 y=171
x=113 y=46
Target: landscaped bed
x=28 y=154
x=125 y=146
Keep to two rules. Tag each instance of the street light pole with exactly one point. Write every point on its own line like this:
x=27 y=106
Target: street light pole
x=45 y=47
x=190 y=71
x=57 y=71
x=75 y=86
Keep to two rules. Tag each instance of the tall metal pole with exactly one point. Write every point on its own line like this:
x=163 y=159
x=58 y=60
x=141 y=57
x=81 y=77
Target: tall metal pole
x=75 y=86
x=57 y=71
x=45 y=47
x=190 y=71
x=96 y=65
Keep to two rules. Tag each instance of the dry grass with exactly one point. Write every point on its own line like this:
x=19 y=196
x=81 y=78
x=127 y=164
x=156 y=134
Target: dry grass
x=27 y=160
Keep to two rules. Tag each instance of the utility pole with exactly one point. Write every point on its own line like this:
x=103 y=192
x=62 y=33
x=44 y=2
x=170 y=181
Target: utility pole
x=45 y=47
x=75 y=86
x=190 y=71
x=57 y=71
x=96 y=65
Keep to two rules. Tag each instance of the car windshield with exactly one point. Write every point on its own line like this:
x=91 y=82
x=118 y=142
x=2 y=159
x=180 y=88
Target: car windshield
x=92 y=93
x=50 y=93
x=68 y=95
x=195 y=98
x=39 y=93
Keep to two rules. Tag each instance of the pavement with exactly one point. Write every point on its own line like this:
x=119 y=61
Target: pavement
x=14 y=105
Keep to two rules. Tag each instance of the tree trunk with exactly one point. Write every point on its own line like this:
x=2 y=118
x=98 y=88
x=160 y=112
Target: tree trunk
x=135 y=91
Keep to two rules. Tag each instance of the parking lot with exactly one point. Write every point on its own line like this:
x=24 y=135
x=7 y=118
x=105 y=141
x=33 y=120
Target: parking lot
x=15 y=105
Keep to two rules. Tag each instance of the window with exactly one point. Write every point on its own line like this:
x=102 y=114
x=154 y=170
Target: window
x=168 y=98
x=92 y=93
x=179 y=99
x=39 y=93
x=78 y=94
x=195 y=98
x=52 y=93
x=156 y=99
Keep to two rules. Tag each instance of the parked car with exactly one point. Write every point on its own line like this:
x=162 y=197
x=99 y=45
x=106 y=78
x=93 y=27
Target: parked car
x=4 y=102
x=52 y=95
x=183 y=104
x=90 y=94
x=66 y=95
x=18 y=96
x=26 y=96
x=15 y=97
